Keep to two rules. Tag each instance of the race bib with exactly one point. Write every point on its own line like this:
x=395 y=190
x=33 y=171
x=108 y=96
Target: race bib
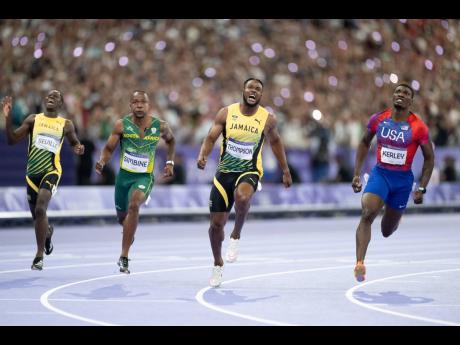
x=240 y=149
x=135 y=162
x=393 y=156
x=47 y=142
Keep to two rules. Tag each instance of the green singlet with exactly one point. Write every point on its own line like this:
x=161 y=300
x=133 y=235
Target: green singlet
x=137 y=161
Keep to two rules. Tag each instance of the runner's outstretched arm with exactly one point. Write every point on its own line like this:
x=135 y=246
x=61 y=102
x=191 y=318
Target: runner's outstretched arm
x=110 y=146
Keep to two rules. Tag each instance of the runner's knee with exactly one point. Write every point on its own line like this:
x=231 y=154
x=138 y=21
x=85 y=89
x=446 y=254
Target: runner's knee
x=217 y=224
x=242 y=199
x=368 y=215
x=40 y=211
x=388 y=229
x=133 y=207
x=387 y=232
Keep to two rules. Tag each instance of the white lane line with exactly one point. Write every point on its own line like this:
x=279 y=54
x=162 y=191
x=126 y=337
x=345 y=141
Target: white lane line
x=19 y=299
x=94 y=300
x=435 y=305
x=349 y=296
x=111 y=263
x=255 y=261
x=266 y=260
x=45 y=301
x=118 y=300
x=200 y=294
x=28 y=312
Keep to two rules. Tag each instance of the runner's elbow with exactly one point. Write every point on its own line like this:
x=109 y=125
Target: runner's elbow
x=275 y=140
x=429 y=161
x=171 y=140
x=108 y=149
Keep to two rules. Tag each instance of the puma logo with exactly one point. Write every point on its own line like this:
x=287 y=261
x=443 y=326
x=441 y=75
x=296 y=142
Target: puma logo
x=258 y=121
x=52 y=187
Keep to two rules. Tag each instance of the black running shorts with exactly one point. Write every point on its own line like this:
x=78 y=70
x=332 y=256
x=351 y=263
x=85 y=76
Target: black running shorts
x=47 y=181
x=222 y=195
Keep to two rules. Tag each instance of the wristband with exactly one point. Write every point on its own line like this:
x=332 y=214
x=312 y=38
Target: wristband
x=422 y=189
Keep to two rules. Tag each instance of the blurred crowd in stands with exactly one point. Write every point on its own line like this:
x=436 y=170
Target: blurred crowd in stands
x=323 y=78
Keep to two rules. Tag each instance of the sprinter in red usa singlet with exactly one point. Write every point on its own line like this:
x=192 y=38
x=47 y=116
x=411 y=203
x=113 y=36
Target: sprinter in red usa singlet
x=399 y=134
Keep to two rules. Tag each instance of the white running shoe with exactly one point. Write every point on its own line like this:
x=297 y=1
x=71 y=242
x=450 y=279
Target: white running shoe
x=216 y=277
x=232 y=251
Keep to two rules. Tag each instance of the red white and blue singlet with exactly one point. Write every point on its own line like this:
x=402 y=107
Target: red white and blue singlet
x=397 y=143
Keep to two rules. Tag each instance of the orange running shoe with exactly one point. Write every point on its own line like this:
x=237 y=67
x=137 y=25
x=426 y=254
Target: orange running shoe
x=360 y=271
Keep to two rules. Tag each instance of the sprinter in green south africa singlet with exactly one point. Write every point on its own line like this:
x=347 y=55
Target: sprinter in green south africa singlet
x=138 y=135
x=137 y=161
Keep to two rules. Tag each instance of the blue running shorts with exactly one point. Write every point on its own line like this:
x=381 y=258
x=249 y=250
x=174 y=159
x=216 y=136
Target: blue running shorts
x=394 y=187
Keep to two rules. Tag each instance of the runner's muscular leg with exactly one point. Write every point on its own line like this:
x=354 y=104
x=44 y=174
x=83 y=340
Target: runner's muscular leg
x=243 y=194
x=131 y=221
x=216 y=235
x=390 y=221
x=32 y=209
x=41 y=219
x=121 y=216
x=32 y=194
x=371 y=206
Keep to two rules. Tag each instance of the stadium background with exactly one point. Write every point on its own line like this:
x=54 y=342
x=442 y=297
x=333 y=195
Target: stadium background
x=323 y=79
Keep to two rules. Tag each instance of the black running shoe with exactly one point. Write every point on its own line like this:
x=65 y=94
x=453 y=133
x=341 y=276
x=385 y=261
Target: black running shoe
x=48 y=244
x=37 y=264
x=123 y=263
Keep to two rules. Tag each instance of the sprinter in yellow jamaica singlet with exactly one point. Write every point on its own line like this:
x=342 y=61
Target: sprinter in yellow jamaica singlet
x=244 y=127
x=46 y=133
x=138 y=134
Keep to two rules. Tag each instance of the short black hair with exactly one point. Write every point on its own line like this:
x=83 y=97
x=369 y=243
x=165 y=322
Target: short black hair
x=249 y=79
x=408 y=86
x=140 y=91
